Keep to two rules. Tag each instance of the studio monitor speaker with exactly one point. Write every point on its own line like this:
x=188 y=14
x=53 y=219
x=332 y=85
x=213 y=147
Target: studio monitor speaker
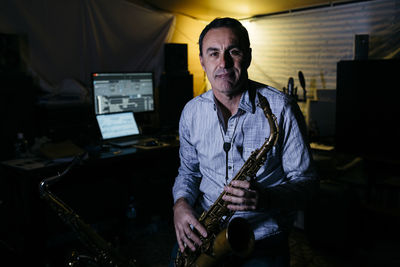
x=10 y=52
x=175 y=91
x=176 y=57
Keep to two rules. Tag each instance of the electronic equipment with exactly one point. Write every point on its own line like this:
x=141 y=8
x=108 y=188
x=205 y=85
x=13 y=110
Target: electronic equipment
x=119 y=129
x=175 y=90
x=175 y=58
x=123 y=91
x=367 y=108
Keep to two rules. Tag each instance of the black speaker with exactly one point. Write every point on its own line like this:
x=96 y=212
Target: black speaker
x=361 y=46
x=366 y=93
x=175 y=91
x=176 y=57
x=11 y=46
x=17 y=100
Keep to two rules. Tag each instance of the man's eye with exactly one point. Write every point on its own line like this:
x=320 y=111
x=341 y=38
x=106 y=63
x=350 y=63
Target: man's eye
x=214 y=54
x=236 y=52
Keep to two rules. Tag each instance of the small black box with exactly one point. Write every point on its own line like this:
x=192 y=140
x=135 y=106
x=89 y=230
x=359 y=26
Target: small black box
x=176 y=57
x=361 y=46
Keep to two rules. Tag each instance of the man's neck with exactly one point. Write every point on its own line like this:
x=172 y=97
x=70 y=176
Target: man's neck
x=228 y=104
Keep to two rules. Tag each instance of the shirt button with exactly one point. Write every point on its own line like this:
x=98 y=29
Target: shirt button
x=230 y=167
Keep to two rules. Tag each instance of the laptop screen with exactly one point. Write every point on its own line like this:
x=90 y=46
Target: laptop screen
x=115 y=125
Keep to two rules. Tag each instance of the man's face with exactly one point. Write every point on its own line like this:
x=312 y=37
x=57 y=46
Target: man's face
x=224 y=60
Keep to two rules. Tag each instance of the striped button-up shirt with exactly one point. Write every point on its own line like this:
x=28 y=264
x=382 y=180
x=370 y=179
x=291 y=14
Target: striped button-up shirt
x=288 y=175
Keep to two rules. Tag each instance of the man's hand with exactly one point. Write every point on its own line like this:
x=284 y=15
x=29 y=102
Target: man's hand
x=243 y=195
x=184 y=219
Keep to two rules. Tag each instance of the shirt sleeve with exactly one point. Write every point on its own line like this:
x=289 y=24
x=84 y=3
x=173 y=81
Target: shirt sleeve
x=189 y=177
x=300 y=181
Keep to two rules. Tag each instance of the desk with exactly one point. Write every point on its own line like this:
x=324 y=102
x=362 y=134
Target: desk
x=358 y=204
x=99 y=190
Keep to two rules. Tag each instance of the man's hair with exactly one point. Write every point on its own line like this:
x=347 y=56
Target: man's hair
x=231 y=23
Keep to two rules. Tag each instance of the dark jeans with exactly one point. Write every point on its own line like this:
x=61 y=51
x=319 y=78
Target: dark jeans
x=269 y=252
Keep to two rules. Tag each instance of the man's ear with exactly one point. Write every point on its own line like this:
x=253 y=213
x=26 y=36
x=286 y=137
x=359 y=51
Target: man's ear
x=201 y=62
x=248 y=58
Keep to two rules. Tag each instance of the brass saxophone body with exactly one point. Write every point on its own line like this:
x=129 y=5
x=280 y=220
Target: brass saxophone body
x=101 y=253
x=225 y=236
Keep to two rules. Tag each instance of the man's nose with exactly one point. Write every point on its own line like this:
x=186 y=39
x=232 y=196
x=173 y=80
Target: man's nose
x=226 y=60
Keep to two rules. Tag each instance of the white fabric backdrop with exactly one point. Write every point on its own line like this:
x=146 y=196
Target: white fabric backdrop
x=313 y=41
x=72 y=38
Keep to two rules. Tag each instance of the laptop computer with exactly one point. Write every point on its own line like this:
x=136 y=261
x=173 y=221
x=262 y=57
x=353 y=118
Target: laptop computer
x=119 y=129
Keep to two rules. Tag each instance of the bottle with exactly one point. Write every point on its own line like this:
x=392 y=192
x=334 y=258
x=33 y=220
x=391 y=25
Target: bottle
x=131 y=211
x=131 y=218
x=21 y=146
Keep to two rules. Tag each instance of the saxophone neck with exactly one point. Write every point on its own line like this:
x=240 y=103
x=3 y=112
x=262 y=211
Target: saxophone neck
x=272 y=121
x=44 y=184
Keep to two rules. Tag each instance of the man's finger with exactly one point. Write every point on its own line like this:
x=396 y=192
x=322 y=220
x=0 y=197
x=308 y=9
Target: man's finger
x=235 y=191
x=180 y=243
x=241 y=207
x=241 y=184
x=188 y=242
x=192 y=236
x=200 y=228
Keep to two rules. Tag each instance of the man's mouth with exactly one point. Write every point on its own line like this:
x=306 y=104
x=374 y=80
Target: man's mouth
x=225 y=75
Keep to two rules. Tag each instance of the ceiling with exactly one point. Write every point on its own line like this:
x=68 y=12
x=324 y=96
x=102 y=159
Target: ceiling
x=240 y=9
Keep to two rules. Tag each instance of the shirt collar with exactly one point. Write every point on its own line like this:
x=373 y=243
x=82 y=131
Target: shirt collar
x=247 y=100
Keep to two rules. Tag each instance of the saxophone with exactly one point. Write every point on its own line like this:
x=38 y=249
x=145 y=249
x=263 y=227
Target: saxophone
x=225 y=236
x=102 y=254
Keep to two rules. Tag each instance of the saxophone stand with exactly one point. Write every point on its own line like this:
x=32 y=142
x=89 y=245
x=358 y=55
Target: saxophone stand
x=101 y=253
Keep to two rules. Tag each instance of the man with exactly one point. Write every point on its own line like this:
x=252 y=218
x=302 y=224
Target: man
x=218 y=131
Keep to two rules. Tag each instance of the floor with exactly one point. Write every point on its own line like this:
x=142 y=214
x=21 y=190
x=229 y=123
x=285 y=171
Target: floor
x=154 y=248
x=149 y=239
x=153 y=243
x=150 y=243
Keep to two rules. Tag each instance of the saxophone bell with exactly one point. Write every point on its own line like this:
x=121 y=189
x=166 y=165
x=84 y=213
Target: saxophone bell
x=237 y=238
x=240 y=236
